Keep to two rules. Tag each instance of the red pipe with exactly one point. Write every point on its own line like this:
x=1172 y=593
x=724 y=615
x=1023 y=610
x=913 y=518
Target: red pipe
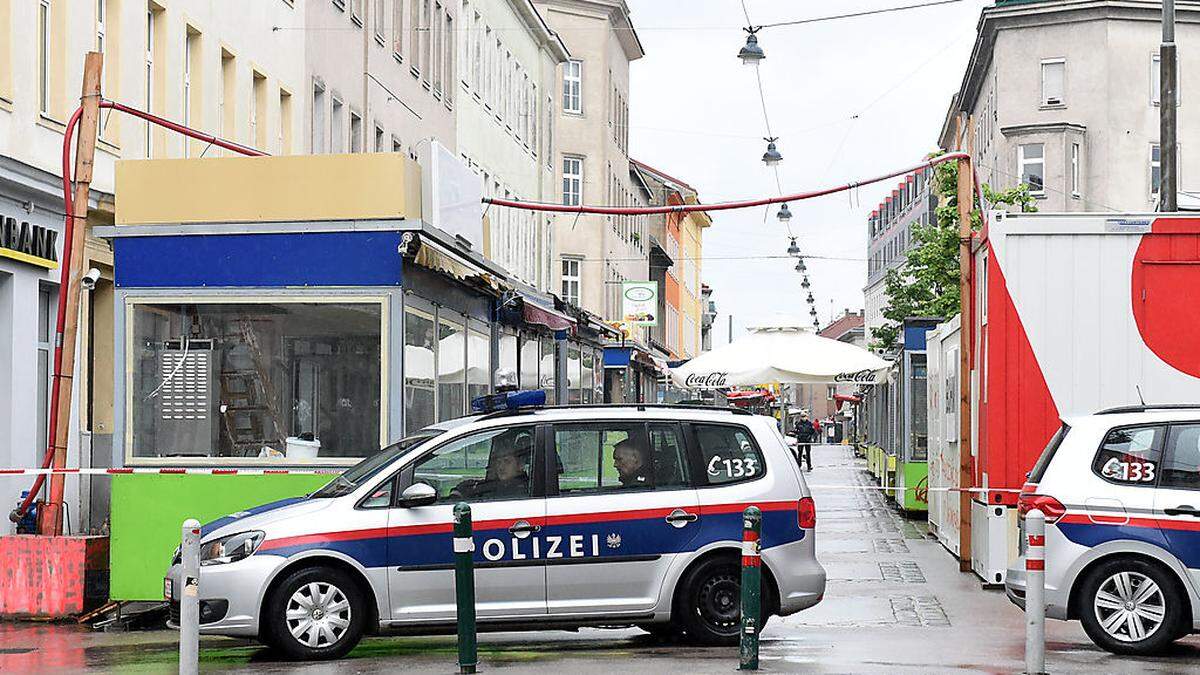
x=65 y=268
x=719 y=206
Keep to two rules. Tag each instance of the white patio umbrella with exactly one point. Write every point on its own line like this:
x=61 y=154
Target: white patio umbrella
x=786 y=354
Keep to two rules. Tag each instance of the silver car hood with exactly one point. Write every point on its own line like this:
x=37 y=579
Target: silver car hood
x=261 y=517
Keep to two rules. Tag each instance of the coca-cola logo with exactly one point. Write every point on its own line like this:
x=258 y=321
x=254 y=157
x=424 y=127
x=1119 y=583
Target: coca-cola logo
x=865 y=376
x=706 y=380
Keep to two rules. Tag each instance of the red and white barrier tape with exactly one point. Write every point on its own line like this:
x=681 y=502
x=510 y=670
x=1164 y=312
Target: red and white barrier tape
x=190 y=471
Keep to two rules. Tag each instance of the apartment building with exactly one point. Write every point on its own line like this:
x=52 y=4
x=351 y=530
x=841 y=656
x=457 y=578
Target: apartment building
x=1063 y=95
x=890 y=236
x=236 y=74
x=381 y=74
x=676 y=247
x=508 y=73
x=596 y=253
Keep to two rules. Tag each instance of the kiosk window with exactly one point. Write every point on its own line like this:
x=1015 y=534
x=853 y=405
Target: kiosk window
x=728 y=453
x=281 y=380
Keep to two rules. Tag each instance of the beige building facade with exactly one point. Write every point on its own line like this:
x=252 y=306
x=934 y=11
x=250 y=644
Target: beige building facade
x=1064 y=96
x=234 y=74
x=508 y=75
x=594 y=254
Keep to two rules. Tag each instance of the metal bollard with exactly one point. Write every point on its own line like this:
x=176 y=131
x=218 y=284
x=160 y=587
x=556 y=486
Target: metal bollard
x=1035 y=593
x=189 y=598
x=464 y=587
x=751 y=589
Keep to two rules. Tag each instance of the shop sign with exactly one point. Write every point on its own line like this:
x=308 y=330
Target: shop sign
x=639 y=303
x=28 y=243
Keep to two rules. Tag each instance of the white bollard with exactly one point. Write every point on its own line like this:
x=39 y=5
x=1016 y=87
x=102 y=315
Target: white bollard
x=1035 y=593
x=189 y=599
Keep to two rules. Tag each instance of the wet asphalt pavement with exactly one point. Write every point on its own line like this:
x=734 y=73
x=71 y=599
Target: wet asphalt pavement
x=896 y=603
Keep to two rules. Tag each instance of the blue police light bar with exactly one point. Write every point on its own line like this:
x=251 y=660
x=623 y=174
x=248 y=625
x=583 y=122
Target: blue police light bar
x=508 y=400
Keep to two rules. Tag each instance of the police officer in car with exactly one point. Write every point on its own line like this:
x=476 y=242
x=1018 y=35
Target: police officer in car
x=506 y=475
x=630 y=461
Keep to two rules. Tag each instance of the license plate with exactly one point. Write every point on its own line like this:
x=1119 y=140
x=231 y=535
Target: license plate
x=168 y=586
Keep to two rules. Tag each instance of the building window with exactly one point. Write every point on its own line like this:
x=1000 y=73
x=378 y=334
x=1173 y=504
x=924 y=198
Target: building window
x=380 y=142
x=572 y=181
x=43 y=56
x=570 y=280
x=101 y=18
x=1074 y=169
x=319 y=125
x=1156 y=169
x=337 y=134
x=398 y=29
x=573 y=87
x=258 y=110
x=356 y=131
x=227 y=95
x=150 y=74
x=1031 y=167
x=380 y=19
x=1156 y=81
x=1054 y=73
x=285 y=122
x=45 y=347
x=191 y=59
x=424 y=59
x=448 y=57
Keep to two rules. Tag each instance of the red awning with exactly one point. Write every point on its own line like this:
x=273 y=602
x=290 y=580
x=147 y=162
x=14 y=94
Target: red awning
x=544 y=316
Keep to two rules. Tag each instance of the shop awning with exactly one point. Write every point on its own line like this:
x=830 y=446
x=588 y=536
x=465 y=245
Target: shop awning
x=436 y=257
x=544 y=316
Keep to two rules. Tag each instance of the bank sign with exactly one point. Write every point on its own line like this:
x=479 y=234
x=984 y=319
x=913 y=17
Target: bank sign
x=639 y=303
x=29 y=243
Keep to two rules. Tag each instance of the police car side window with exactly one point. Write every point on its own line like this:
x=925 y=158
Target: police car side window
x=489 y=465
x=601 y=456
x=1130 y=456
x=668 y=456
x=728 y=454
x=1181 y=461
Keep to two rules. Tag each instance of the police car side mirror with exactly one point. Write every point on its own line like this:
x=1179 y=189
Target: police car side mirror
x=418 y=494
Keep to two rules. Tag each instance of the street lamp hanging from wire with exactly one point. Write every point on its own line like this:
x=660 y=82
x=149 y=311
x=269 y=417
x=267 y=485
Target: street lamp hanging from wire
x=751 y=53
x=792 y=248
x=772 y=156
x=785 y=214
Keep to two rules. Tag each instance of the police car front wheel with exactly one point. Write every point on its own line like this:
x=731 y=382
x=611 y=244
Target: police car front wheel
x=315 y=613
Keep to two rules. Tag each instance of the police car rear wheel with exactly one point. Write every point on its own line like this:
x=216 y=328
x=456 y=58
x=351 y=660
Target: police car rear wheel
x=1130 y=606
x=711 y=603
x=316 y=613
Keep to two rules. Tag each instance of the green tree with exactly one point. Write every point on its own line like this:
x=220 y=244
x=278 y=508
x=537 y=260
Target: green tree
x=927 y=283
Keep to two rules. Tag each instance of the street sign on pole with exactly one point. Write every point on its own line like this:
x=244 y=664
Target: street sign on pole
x=639 y=303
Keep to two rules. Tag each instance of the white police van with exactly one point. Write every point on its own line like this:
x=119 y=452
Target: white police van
x=1121 y=494
x=583 y=516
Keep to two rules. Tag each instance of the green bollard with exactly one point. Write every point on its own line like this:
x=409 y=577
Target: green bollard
x=464 y=587
x=751 y=588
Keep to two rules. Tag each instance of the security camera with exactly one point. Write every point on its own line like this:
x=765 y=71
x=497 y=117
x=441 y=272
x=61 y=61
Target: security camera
x=89 y=280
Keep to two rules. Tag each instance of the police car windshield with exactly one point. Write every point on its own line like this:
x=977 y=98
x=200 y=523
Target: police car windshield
x=355 y=475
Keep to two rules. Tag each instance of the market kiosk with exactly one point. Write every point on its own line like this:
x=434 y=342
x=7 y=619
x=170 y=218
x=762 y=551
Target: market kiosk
x=283 y=314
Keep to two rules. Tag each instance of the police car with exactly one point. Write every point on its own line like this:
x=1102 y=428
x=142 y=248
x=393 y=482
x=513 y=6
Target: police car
x=1121 y=494
x=583 y=516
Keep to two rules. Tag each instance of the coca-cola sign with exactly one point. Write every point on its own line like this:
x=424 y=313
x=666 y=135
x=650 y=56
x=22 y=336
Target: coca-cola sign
x=865 y=376
x=706 y=380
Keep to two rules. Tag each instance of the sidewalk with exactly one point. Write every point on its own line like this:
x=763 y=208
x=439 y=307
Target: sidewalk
x=896 y=603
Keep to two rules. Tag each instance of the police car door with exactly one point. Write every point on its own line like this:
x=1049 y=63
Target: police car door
x=614 y=525
x=1177 y=503
x=507 y=507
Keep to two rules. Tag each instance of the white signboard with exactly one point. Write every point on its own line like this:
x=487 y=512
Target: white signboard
x=451 y=194
x=639 y=303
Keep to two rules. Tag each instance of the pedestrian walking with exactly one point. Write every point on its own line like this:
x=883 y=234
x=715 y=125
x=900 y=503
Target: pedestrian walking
x=805 y=435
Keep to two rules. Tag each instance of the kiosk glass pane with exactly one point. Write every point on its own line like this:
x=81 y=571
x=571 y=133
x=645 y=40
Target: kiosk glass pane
x=268 y=380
